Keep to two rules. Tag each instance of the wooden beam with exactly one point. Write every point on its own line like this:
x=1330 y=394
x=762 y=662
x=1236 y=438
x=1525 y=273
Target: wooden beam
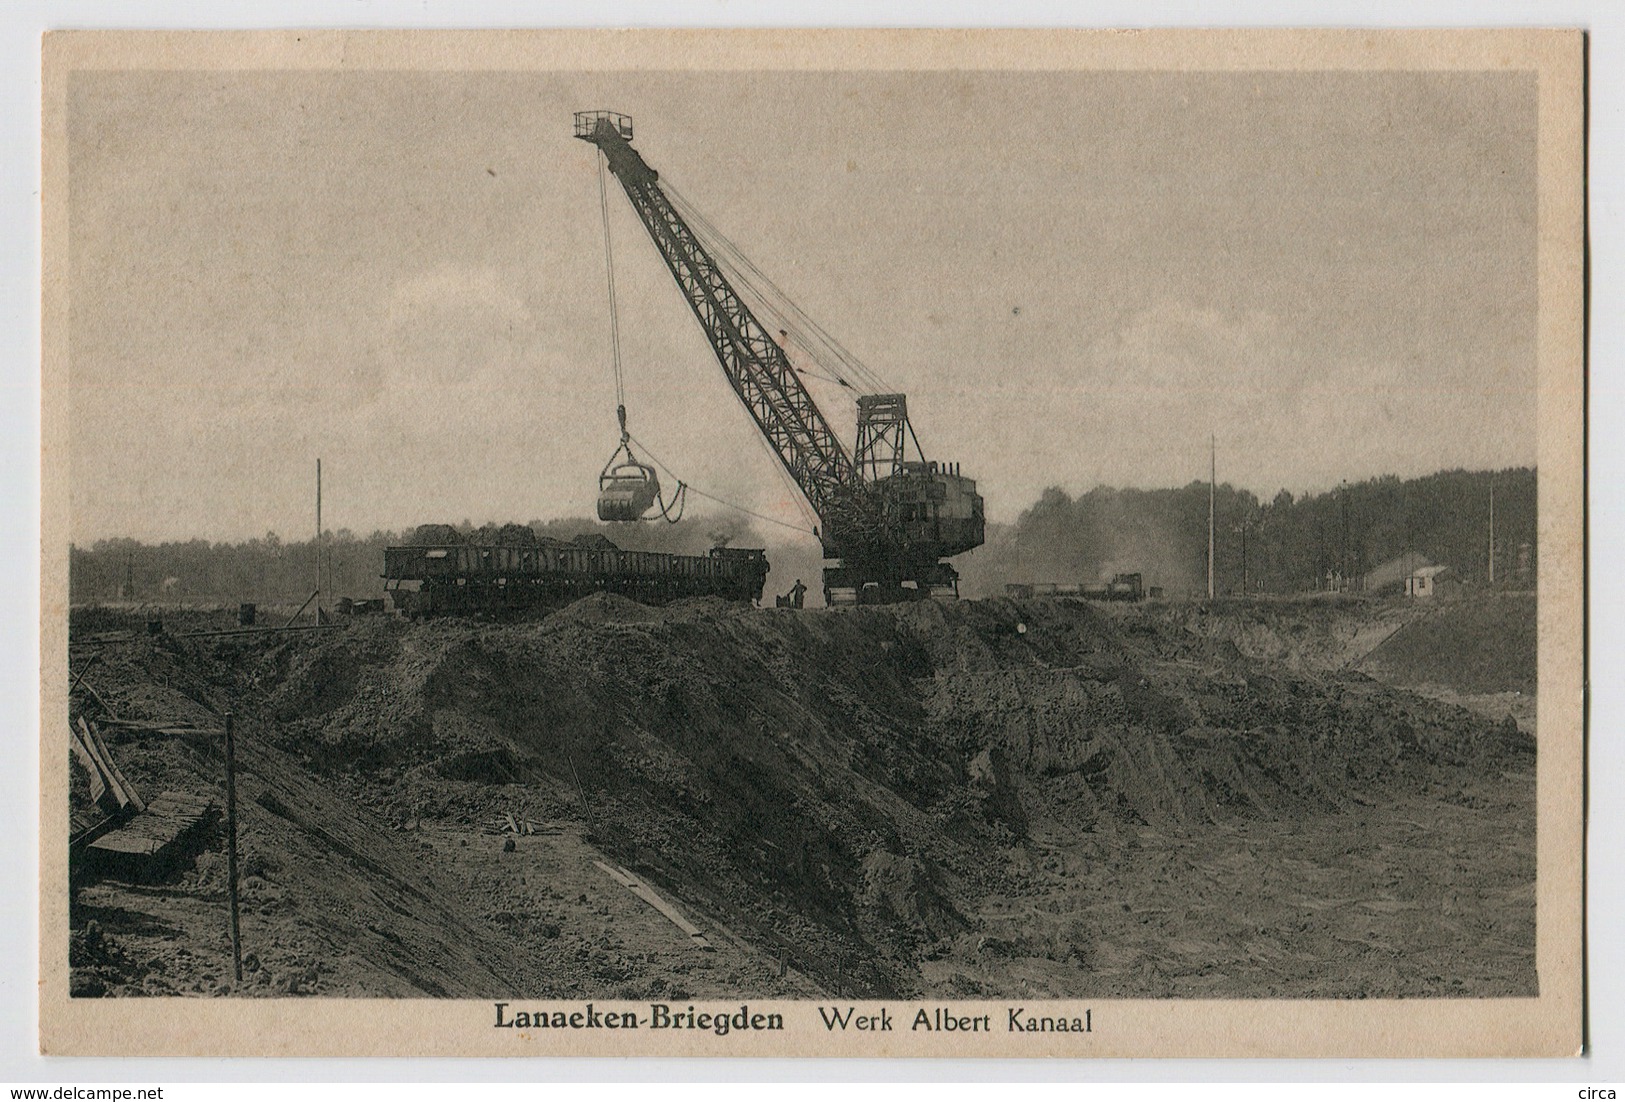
x=653 y=898
x=122 y=783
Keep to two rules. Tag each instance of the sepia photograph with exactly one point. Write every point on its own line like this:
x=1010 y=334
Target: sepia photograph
x=680 y=535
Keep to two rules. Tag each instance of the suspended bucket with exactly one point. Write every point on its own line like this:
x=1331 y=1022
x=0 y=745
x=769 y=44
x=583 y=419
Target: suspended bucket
x=627 y=491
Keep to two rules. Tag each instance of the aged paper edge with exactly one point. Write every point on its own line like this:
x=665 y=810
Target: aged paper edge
x=1548 y=1025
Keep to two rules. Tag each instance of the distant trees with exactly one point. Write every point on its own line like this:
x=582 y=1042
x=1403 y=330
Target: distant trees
x=267 y=570
x=1286 y=545
x=1292 y=544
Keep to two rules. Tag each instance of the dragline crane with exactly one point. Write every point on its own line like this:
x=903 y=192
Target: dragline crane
x=886 y=520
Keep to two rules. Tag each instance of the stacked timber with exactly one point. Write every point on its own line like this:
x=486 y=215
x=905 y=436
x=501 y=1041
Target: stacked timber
x=119 y=832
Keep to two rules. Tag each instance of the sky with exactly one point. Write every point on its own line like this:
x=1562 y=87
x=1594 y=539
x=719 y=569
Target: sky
x=1075 y=277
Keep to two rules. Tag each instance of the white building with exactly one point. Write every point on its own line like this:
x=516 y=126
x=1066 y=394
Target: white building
x=1428 y=581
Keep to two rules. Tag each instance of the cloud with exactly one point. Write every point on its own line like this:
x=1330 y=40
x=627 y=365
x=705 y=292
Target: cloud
x=1178 y=347
x=455 y=325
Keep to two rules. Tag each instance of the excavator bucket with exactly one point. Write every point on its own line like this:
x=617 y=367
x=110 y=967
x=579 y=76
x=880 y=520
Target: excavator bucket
x=627 y=491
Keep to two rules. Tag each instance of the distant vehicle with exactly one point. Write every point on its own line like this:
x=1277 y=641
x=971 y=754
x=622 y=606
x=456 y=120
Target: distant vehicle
x=1122 y=587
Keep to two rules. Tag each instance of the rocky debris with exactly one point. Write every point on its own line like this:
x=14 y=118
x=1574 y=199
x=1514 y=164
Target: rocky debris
x=867 y=790
x=989 y=777
x=901 y=894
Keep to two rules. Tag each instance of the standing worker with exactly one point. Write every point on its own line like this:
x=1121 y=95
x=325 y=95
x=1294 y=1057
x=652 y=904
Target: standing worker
x=798 y=594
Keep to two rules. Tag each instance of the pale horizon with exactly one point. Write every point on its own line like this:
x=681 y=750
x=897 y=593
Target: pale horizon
x=1076 y=278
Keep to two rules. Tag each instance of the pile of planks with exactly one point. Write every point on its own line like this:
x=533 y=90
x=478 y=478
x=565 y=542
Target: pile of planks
x=121 y=832
x=148 y=838
x=510 y=825
x=113 y=797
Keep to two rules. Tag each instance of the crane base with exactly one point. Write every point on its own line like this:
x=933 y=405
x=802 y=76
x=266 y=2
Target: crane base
x=844 y=585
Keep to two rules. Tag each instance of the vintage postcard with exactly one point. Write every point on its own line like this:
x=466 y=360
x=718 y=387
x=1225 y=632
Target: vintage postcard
x=807 y=543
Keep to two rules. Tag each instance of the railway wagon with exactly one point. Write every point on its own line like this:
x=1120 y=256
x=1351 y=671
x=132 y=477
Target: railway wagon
x=477 y=578
x=1122 y=587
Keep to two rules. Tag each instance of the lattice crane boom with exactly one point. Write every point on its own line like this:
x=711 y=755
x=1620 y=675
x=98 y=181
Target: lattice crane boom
x=888 y=520
x=755 y=365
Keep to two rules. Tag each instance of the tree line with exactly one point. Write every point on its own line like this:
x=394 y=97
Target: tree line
x=269 y=570
x=1287 y=544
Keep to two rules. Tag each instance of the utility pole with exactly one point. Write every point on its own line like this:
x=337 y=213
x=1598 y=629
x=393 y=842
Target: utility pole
x=318 y=541
x=1492 y=531
x=1244 y=556
x=1212 y=491
x=231 y=848
x=1343 y=556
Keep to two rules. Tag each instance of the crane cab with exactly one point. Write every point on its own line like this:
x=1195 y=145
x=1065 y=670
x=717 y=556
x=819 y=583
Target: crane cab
x=933 y=506
x=627 y=491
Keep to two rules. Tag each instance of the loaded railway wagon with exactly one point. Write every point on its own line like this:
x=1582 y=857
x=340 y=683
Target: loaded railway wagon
x=427 y=579
x=1122 y=587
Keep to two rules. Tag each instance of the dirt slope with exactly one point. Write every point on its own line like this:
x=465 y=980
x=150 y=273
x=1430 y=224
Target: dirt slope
x=985 y=797
x=1481 y=646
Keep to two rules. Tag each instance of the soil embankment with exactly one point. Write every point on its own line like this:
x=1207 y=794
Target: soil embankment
x=985 y=798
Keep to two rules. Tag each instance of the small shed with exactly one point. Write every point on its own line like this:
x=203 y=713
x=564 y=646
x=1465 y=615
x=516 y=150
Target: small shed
x=1429 y=581
x=1393 y=574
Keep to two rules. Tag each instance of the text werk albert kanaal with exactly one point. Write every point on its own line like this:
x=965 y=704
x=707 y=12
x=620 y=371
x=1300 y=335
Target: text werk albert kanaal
x=1017 y=1019
x=835 y=1019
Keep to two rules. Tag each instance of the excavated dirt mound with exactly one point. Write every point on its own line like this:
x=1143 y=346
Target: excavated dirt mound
x=990 y=797
x=1481 y=646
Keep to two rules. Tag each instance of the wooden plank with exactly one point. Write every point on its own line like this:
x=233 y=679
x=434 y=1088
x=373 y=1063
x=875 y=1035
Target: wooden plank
x=98 y=787
x=655 y=900
x=118 y=774
x=163 y=824
x=172 y=730
x=112 y=763
x=624 y=879
x=256 y=630
x=97 y=697
x=119 y=795
x=123 y=842
x=87 y=828
x=183 y=798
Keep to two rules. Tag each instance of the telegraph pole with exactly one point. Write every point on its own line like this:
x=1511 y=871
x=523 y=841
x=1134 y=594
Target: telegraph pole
x=231 y=849
x=1212 y=490
x=1244 y=556
x=1492 y=531
x=318 y=541
x=1343 y=552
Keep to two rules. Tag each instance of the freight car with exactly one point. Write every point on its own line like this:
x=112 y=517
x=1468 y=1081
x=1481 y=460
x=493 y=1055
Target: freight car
x=1122 y=587
x=481 y=575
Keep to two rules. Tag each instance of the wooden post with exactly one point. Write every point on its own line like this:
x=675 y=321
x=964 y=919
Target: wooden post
x=84 y=670
x=1212 y=491
x=231 y=848
x=318 y=541
x=586 y=808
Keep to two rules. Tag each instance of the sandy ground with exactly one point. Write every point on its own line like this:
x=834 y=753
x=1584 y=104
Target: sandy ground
x=983 y=799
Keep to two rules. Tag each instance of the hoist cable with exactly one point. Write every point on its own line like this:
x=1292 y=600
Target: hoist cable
x=747 y=272
x=614 y=313
x=679 y=499
x=802 y=322
x=679 y=502
x=720 y=501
